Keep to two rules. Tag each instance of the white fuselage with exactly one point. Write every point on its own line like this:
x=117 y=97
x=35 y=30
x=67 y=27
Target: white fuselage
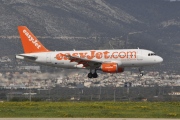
x=123 y=57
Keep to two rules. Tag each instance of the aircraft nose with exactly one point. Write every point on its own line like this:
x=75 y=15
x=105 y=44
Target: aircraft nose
x=159 y=59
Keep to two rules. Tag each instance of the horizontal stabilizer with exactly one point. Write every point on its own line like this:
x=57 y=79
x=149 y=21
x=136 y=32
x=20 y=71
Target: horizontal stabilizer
x=26 y=57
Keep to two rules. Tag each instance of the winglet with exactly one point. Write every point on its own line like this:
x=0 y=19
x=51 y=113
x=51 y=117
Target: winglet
x=29 y=42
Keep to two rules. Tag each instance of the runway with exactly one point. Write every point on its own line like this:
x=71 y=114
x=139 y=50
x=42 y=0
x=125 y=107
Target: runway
x=86 y=119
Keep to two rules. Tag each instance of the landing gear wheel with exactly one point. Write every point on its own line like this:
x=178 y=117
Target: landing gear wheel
x=141 y=74
x=90 y=75
x=95 y=75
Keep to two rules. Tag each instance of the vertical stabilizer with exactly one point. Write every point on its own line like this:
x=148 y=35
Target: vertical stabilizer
x=29 y=42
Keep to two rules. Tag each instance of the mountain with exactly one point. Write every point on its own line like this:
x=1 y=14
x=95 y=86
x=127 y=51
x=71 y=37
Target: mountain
x=95 y=24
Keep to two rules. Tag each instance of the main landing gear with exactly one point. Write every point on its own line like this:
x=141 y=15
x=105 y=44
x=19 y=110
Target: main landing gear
x=92 y=75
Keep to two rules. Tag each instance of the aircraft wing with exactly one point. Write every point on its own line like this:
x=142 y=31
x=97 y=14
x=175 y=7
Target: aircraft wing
x=86 y=62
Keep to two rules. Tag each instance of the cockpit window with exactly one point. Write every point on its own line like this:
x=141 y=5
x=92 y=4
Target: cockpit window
x=151 y=54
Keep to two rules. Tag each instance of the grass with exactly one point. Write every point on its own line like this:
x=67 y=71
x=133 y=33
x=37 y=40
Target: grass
x=91 y=109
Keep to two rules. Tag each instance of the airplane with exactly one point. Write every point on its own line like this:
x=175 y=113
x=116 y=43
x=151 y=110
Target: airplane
x=108 y=61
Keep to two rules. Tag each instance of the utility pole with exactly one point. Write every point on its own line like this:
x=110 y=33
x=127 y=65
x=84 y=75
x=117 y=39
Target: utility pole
x=100 y=93
x=30 y=91
x=29 y=86
x=114 y=94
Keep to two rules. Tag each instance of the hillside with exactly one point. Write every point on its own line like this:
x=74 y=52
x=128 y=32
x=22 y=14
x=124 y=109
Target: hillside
x=95 y=24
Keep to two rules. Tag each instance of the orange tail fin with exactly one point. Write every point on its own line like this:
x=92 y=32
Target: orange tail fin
x=29 y=42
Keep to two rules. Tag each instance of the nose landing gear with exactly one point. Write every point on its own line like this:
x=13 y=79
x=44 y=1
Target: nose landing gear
x=141 y=73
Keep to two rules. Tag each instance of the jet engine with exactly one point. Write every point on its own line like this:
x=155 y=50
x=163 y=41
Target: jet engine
x=111 y=68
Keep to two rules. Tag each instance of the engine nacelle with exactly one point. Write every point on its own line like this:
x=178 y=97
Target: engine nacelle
x=111 y=68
